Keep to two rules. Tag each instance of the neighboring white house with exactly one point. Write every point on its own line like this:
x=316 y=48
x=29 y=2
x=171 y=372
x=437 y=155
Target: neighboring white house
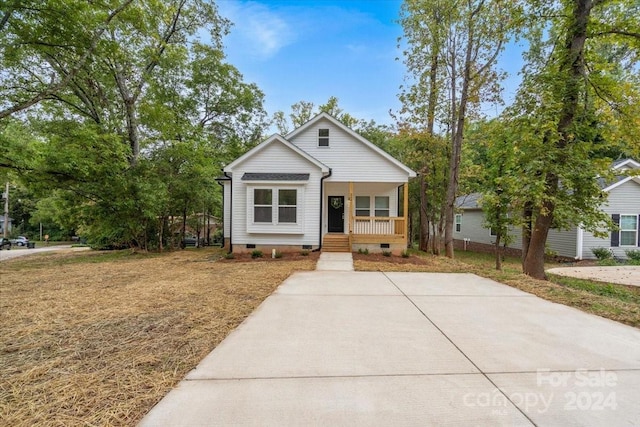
x=623 y=205
x=321 y=186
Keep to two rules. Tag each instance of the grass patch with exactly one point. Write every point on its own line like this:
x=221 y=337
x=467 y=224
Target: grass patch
x=623 y=293
x=610 y=300
x=99 y=338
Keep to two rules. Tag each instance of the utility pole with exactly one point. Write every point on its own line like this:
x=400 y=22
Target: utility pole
x=5 y=226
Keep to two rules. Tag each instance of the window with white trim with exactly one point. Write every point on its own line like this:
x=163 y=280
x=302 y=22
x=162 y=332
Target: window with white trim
x=362 y=206
x=628 y=230
x=323 y=137
x=492 y=232
x=458 y=223
x=262 y=205
x=287 y=206
x=382 y=206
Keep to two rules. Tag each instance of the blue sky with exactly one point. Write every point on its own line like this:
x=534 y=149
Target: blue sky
x=313 y=49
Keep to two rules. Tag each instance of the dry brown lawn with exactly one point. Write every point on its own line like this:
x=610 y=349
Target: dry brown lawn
x=99 y=338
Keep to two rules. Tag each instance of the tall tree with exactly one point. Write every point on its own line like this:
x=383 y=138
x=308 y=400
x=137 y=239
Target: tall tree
x=576 y=99
x=139 y=132
x=451 y=57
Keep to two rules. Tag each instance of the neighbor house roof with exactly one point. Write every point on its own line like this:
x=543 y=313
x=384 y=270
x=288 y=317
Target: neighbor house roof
x=621 y=179
x=250 y=176
x=355 y=135
x=469 y=201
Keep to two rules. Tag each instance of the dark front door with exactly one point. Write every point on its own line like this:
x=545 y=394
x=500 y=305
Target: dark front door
x=336 y=214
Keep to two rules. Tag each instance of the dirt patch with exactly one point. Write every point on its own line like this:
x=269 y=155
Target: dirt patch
x=379 y=262
x=285 y=257
x=622 y=274
x=98 y=339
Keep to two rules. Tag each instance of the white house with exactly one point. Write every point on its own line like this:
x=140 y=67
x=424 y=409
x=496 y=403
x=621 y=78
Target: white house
x=623 y=205
x=321 y=186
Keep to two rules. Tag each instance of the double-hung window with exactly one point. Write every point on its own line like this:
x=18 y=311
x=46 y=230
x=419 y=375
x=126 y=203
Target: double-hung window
x=382 y=206
x=458 y=223
x=628 y=230
x=262 y=205
x=287 y=206
x=362 y=206
x=323 y=137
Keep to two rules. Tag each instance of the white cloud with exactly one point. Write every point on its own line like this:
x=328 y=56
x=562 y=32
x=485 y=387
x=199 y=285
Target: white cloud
x=257 y=30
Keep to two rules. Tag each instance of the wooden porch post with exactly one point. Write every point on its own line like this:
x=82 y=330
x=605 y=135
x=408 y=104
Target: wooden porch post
x=350 y=215
x=406 y=212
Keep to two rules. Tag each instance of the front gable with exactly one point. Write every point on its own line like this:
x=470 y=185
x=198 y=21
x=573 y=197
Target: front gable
x=276 y=154
x=350 y=156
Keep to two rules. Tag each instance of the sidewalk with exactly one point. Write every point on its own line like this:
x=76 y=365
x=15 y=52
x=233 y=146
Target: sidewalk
x=409 y=349
x=335 y=261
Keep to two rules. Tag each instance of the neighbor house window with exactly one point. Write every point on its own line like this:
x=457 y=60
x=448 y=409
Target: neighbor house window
x=262 y=208
x=628 y=230
x=362 y=205
x=287 y=205
x=323 y=137
x=493 y=232
x=458 y=223
x=382 y=206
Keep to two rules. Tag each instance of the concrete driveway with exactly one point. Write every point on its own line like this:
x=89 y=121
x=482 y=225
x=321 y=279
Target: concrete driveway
x=411 y=349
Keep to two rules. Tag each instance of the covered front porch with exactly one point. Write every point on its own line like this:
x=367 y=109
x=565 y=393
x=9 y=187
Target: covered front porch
x=365 y=215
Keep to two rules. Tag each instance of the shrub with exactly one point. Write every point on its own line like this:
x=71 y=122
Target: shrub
x=278 y=254
x=386 y=253
x=304 y=253
x=405 y=254
x=229 y=255
x=633 y=254
x=607 y=261
x=602 y=253
x=256 y=253
x=363 y=251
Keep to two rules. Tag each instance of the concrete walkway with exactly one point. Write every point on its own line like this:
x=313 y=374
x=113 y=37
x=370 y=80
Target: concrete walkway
x=335 y=261
x=411 y=349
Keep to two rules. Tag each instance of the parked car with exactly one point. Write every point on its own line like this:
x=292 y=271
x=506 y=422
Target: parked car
x=5 y=243
x=20 y=241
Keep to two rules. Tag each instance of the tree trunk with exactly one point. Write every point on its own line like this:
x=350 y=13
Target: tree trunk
x=184 y=226
x=456 y=150
x=424 y=220
x=498 y=251
x=572 y=70
x=526 y=229
x=534 y=262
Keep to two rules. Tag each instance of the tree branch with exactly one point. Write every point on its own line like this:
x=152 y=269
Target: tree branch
x=53 y=88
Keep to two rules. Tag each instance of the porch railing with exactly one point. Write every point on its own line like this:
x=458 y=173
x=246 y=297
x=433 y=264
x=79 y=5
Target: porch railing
x=379 y=225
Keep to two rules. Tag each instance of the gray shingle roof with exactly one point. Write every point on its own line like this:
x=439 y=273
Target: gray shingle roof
x=470 y=201
x=250 y=176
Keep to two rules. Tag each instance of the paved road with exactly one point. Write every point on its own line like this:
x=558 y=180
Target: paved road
x=18 y=252
x=411 y=349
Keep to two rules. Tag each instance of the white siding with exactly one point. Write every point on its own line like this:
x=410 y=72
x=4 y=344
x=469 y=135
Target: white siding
x=348 y=158
x=563 y=242
x=472 y=228
x=370 y=189
x=624 y=199
x=277 y=158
